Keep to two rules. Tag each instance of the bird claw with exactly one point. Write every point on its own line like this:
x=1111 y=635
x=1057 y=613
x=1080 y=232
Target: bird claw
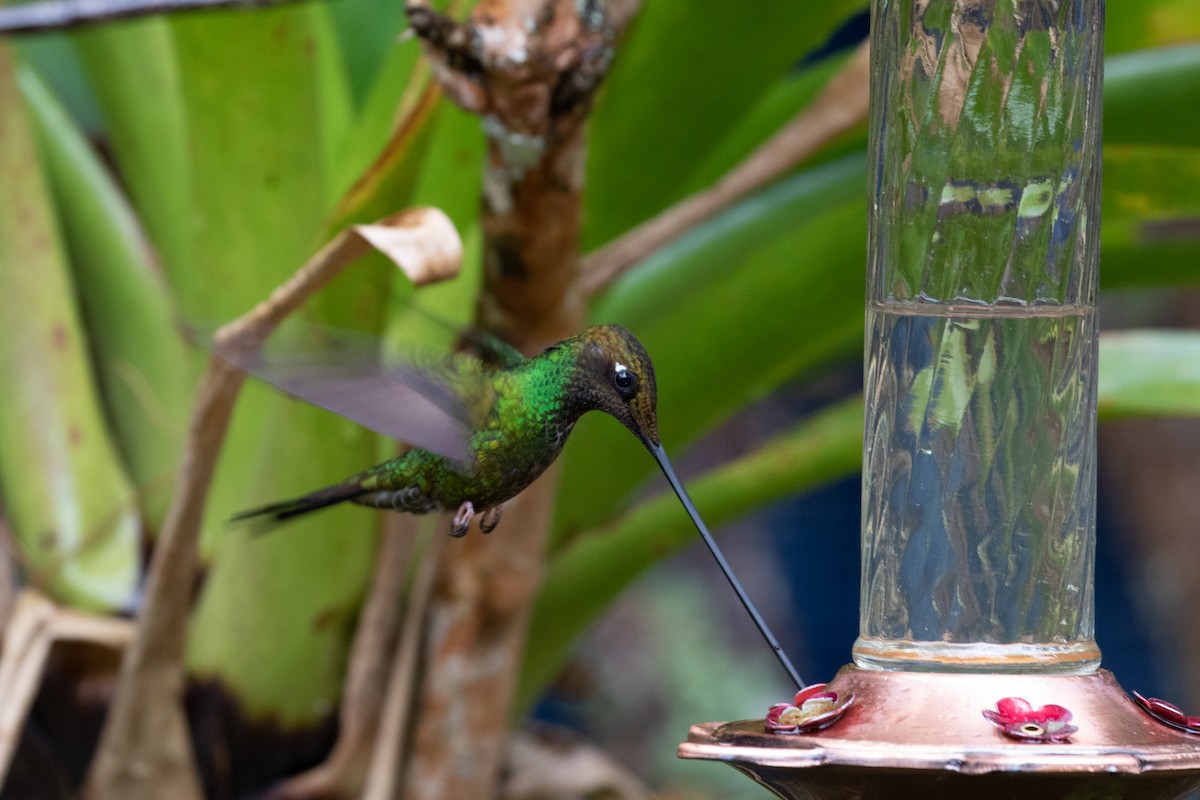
x=490 y=519
x=462 y=520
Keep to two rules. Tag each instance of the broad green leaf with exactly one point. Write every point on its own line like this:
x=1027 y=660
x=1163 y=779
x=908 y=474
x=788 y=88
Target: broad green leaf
x=768 y=290
x=367 y=31
x=450 y=176
x=135 y=78
x=1149 y=372
x=65 y=495
x=594 y=568
x=684 y=77
x=1151 y=186
x=1150 y=23
x=387 y=141
x=372 y=33
x=141 y=361
x=395 y=98
x=1151 y=215
x=53 y=57
x=1153 y=97
x=387 y=182
x=271 y=602
x=251 y=96
x=254 y=95
x=333 y=99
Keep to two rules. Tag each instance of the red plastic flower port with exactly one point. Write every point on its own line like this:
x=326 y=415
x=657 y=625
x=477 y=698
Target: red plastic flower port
x=813 y=709
x=1168 y=713
x=1015 y=717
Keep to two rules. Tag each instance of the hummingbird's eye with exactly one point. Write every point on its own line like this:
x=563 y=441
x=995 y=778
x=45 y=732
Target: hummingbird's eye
x=625 y=381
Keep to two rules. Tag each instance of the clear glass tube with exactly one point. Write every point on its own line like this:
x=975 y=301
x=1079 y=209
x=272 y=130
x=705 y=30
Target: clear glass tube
x=979 y=452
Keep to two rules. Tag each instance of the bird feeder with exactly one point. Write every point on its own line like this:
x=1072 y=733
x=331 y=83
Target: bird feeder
x=975 y=672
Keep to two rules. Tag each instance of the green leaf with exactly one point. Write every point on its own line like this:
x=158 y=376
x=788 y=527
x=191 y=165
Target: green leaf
x=587 y=575
x=333 y=100
x=372 y=35
x=135 y=77
x=141 y=361
x=449 y=180
x=255 y=94
x=1152 y=97
x=65 y=495
x=1149 y=372
x=251 y=96
x=449 y=176
x=52 y=56
x=368 y=31
x=388 y=181
x=393 y=95
x=1149 y=23
x=685 y=76
x=1151 y=187
x=1151 y=212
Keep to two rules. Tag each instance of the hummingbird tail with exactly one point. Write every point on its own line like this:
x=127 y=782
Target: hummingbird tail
x=270 y=515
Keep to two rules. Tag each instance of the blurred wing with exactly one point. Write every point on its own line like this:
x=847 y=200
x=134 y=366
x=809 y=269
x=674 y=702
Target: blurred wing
x=491 y=349
x=413 y=403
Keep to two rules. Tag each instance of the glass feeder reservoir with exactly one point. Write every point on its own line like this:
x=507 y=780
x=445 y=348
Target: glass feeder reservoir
x=975 y=672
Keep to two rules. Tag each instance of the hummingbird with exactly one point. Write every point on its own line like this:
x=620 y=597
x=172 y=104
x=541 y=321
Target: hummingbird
x=498 y=429
x=483 y=431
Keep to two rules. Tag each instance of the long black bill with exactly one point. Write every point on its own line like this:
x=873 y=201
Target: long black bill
x=664 y=463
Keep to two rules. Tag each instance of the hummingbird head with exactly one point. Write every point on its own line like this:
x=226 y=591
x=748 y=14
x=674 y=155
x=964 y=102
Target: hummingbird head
x=618 y=379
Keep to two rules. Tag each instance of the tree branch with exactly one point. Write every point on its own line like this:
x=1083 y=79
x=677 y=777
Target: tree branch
x=384 y=777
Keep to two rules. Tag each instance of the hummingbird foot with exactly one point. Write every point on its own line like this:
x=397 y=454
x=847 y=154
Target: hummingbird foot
x=490 y=519
x=462 y=520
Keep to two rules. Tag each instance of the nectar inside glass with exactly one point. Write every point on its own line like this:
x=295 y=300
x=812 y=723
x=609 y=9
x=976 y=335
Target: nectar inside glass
x=979 y=450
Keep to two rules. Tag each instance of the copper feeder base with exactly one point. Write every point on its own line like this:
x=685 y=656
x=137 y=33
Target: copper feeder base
x=922 y=735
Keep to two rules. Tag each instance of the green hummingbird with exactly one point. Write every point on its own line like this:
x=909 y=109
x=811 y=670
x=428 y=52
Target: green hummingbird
x=482 y=432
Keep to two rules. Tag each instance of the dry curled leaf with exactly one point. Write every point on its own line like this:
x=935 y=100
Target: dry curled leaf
x=422 y=242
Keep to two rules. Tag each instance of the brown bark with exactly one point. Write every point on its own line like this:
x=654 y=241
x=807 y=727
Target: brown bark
x=476 y=629
x=529 y=69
